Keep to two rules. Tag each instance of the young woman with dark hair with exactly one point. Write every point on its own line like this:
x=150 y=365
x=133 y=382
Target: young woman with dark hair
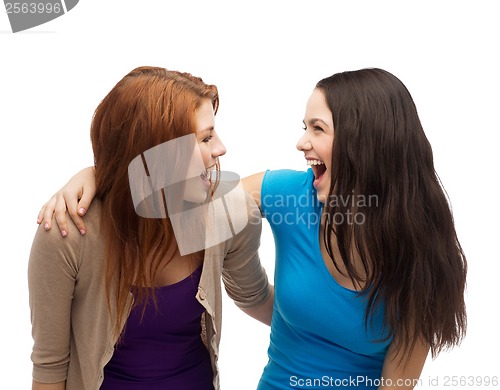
x=369 y=274
x=379 y=279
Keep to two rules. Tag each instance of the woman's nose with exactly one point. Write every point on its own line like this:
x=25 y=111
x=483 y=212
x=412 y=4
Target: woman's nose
x=218 y=148
x=304 y=143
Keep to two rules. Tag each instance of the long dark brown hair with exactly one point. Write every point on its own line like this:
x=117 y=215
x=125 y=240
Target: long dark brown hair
x=148 y=107
x=412 y=262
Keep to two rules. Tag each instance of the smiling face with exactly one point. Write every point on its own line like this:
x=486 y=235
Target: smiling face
x=317 y=142
x=208 y=148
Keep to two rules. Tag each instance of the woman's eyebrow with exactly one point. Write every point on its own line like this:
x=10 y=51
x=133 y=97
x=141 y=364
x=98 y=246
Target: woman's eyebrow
x=210 y=128
x=314 y=120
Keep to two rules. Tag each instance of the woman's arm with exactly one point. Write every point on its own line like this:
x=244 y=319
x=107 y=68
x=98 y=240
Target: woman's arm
x=75 y=197
x=264 y=311
x=52 y=271
x=245 y=280
x=253 y=185
x=48 y=386
x=402 y=370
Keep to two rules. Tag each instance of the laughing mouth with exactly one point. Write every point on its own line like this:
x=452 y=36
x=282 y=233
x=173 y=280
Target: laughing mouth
x=210 y=172
x=206 y=175
x=318 y=167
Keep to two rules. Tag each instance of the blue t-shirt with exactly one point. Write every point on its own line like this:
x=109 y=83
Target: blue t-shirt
x=319 y=338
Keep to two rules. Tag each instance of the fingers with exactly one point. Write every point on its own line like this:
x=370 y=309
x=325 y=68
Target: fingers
x=46 y=212
x=60 y=214
x=59 y=205
x=74 y=210
x=73 y=199
x=39 y=218
x=84 y=203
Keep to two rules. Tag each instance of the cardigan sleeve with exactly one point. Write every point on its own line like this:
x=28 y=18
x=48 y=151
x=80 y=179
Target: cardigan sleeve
x=52 y=274
x=245 y=280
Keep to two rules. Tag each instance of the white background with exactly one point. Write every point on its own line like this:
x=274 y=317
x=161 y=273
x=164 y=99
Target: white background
x=265 y=57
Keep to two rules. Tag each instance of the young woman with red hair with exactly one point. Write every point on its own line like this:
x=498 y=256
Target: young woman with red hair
x=134 y=303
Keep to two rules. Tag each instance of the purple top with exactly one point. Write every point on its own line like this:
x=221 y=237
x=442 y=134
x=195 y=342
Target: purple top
x=164 y=351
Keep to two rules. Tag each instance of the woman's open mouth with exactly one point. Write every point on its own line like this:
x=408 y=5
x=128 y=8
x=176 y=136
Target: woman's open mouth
x=319 y=169
x=206 y=178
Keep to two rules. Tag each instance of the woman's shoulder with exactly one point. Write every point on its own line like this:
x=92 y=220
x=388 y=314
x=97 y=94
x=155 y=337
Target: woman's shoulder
x=286 y=187
x=291 y=175
x=93 y=216
x=287 y=180
x=233 y=213
x=51 y=245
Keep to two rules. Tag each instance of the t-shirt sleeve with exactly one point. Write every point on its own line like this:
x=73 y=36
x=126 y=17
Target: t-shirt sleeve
x=283 y=191
x=52 y=274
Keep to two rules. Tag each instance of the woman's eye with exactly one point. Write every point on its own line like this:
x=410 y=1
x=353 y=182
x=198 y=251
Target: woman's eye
x=207 y=139
x=315 y=128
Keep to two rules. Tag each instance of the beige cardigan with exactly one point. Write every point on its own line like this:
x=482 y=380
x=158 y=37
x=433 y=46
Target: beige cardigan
x=71 y=323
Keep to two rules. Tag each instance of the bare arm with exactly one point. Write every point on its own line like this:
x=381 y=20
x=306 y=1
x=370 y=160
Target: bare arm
x=77 y=195
x=48 y=386
x=253 y=185
x=75 y=198
x=403 y=374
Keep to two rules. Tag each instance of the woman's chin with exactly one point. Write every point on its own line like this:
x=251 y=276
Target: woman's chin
x=198 y=197
x=321 y=197
x=322 y=192
x=322 y=186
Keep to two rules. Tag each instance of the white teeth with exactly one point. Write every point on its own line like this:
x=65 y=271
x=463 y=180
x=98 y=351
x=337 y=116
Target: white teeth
x=315 y=162
x=206 y=174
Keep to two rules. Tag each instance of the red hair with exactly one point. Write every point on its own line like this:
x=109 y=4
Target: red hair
x=149 y=106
